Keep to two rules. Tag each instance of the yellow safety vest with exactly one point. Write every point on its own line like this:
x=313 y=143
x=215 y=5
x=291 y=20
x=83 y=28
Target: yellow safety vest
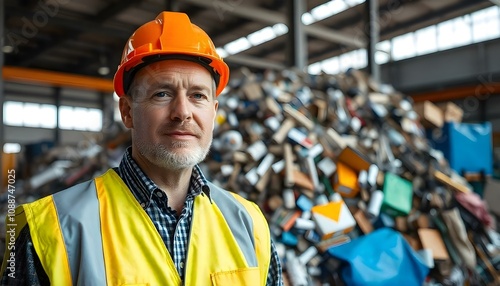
x=96 y=233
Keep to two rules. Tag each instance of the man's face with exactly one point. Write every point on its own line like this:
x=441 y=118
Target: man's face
x=171 y=113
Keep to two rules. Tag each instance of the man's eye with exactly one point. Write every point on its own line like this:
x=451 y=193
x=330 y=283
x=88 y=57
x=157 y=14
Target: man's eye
x=198 y=95
x=161 y=94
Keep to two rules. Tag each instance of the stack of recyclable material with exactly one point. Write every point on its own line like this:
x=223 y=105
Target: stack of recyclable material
x=354 y=192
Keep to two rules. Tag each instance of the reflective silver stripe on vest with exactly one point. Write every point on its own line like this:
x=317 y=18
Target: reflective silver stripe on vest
x=78 y=212
x=239 y=221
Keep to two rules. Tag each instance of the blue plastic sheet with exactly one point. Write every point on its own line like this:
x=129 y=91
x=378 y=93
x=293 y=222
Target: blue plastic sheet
x=380 y=258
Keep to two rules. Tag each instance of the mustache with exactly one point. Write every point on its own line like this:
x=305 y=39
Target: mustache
x=181 y=127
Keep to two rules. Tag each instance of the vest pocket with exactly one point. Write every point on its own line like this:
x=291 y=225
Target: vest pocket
x=240 y=277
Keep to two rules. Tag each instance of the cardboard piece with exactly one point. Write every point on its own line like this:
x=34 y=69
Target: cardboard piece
x=299 y=117
x=448 y=181
x=350 y=162
x=303 y=180
x=281 y=134
x=253 y=91
x=451 y=112
x=430 y=115
x=354 y=159
x=363 y=222
x=413 y=241
x=273 y=106
x=431 y=239
x=324 y=245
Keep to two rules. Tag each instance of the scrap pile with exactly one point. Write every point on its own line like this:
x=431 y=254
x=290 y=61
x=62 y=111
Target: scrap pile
x=353 y=190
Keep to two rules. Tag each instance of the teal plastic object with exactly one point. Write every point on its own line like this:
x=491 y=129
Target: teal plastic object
x=398 y=194
x=380 y=258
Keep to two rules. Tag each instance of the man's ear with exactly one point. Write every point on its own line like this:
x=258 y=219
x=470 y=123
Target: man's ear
x=124 y=104
x=216 y=107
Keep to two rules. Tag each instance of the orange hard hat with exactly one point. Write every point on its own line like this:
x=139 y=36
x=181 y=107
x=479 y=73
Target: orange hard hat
x=170 y=36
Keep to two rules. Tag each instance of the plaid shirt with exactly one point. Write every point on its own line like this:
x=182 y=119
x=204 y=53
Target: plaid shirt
x=173 y=228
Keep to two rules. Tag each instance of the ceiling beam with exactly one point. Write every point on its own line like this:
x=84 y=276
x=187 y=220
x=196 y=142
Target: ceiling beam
x=389 y=32
x=325 y=33
x=108 y=12
x=37 y=76
x=254 y=62
x=77 y=25
x=234 y=25
x=459 y=92
x=460 y=8
x=270 y=17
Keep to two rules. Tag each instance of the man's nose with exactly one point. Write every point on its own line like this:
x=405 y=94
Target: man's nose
x=181 y=109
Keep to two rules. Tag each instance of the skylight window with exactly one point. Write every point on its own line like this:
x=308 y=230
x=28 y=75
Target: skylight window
x=265 y=35
x=463 y=34
x=13 y=113
x=353 y=3
x=261 y=36
x=307 y=18
x=403 y=47
x=445 y=35
x=48 y=113
x=33 y=109
x=331 y=66
x=80 y=118
x=280 y=29
x=426 y=40
x=328 y=9
x=486 y=24
x=478 y=26
x=314 y=68
x=29 y=114
x=237 y=46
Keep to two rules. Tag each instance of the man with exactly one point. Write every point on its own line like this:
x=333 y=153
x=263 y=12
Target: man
x=154 y=220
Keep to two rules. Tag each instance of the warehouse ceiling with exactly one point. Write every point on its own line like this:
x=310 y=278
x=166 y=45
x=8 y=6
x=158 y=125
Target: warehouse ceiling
x=80 y=37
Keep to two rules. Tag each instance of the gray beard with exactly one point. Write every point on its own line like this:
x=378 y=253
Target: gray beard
x=162 y=157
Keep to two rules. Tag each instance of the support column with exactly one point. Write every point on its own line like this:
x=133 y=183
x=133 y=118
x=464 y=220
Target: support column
x=171 y=5
x=108 y=112
x=2 y=97
x=296 y=44
x=373 y=38
x=483 y=106
x=57 y=102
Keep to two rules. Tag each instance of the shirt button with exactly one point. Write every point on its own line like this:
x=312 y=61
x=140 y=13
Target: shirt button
x=143 y=205
x=159 y=194
x=182 y=264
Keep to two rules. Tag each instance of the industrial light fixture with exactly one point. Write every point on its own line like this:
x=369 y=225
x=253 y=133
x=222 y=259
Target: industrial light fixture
x=104 y=67
x=11 y=148
x=7 y=49
x=103 y=70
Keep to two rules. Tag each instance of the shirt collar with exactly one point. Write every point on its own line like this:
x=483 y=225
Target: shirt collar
x=142 y=186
